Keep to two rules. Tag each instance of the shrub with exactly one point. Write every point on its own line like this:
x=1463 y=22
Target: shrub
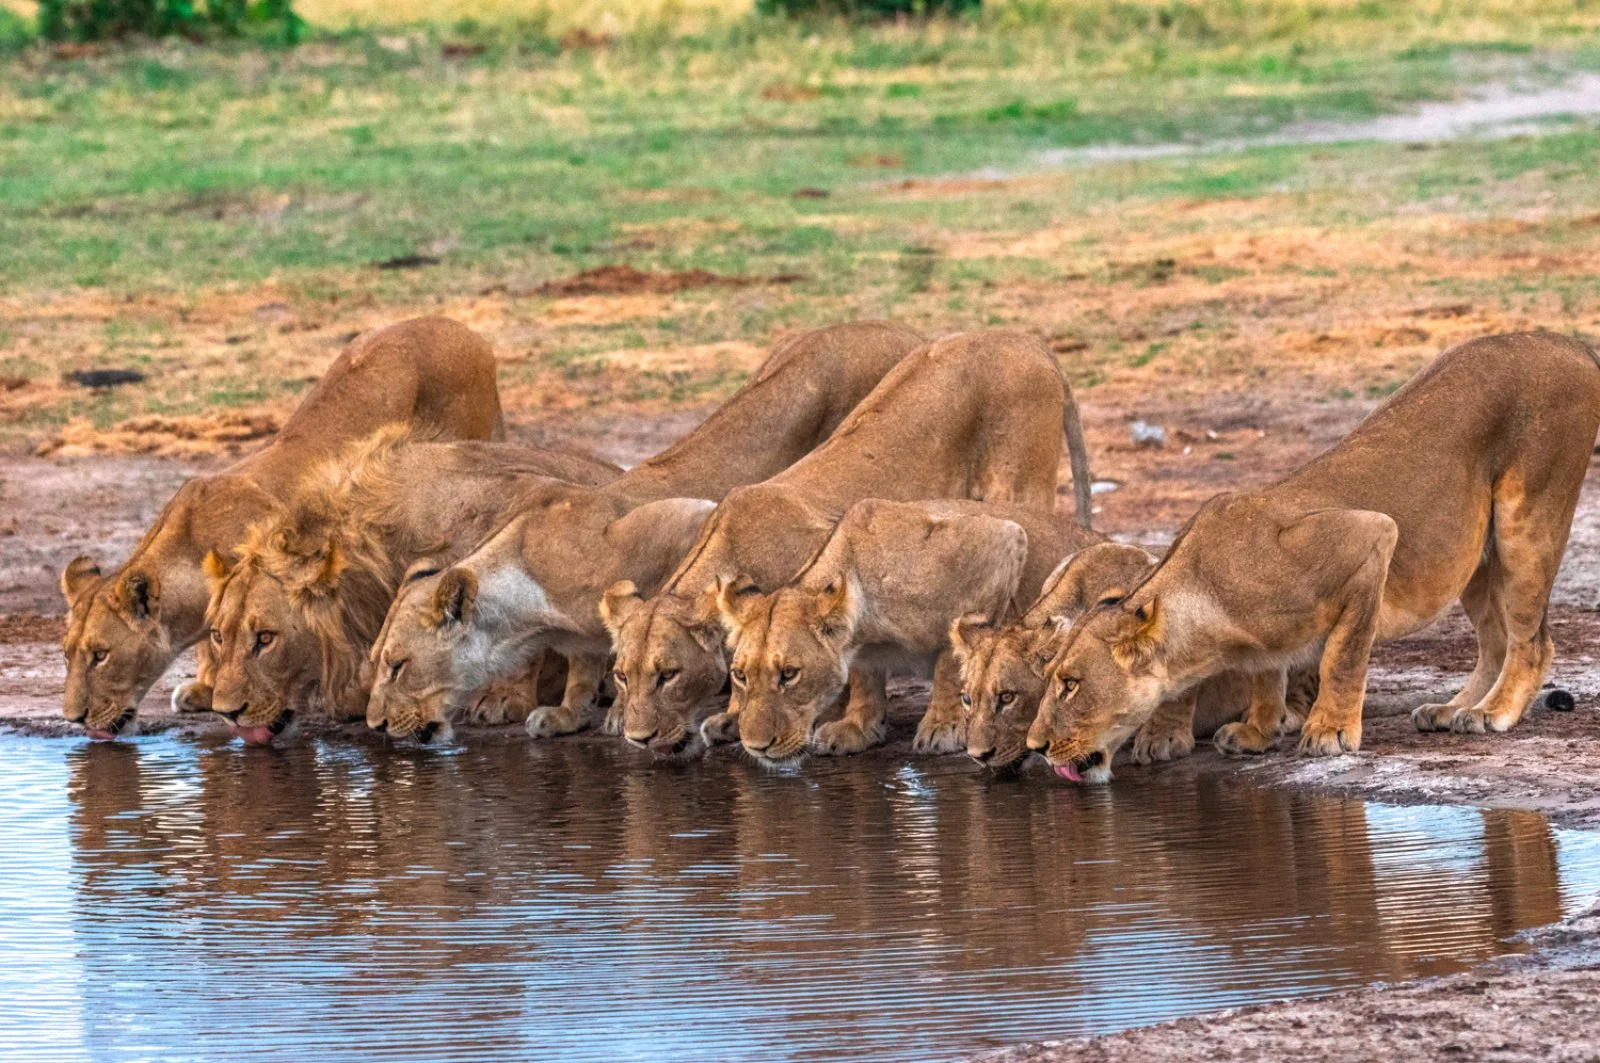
x=98 y=20
x=868 y=10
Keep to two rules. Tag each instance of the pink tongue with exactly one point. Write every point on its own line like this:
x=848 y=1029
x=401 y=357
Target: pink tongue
x=1068 y=772
x=101 y=735
x=253 y=736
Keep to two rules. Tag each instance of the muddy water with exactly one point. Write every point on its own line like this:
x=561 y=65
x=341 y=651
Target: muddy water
x=172 y=899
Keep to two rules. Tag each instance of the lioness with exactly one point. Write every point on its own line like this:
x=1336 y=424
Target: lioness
x=1000 y=441
x=1003 y=667
x=300 y=609
x=536 y=582
x=125 y=628
x=881 y=595
x=1462 y=484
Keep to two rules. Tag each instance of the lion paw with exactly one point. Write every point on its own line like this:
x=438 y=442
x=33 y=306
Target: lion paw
x=1292 y=722
x=552 y=721
x=1242 y=739
x=613 y=723
x=1434 y=717
x=1320 y=740
x=843 y=737
x=193 y=696
x=1477 y=722
x=940 y=736
x=1155 y=748
x=720 y=729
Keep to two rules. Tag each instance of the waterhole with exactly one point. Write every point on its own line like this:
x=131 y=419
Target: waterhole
x=177 y=899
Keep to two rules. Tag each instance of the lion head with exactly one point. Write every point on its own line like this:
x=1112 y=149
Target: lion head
x=429 y=657
x=669 y=661
x=1103 y=684
x=1003 y=668
x=116 y=646
x=790 y=660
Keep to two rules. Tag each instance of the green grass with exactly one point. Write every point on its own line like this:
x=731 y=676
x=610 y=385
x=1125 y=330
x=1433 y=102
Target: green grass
x=174 y=167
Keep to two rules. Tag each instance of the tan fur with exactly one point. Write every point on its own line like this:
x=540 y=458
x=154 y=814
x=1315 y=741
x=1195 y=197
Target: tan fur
x=318 y=578
x=540 y=578
x=430 y=373
x=879 y=597
x=1462 y=485
x=1003 y=666
x=975 y=416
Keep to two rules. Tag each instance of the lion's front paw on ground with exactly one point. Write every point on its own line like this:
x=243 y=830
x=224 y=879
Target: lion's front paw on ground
x=843 y=737
x=1477 y=722
x=1242 y=739
x=1434 y=717
x=192 y=697
x=613 y=723
x=552 y=721
x=1321 y=740
x=940 y=736
x=1156 y=748
x=720 y=729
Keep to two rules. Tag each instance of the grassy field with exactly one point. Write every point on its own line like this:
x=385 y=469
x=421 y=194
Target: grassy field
x=215 y=216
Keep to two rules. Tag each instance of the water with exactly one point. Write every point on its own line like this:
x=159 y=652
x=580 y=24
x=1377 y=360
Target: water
x=171 y=899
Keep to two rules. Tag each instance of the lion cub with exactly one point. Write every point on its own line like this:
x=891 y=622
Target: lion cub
x=1003 y=667
x=878 y=597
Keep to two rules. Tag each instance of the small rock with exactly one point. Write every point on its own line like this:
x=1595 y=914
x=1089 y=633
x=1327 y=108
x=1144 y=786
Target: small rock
x=1152 y=436
x=1560 y=701
x=104 y=378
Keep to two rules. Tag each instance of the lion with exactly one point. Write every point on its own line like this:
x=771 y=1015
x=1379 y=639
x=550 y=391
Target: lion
x=1461 y=486
x=535 y=583
x=1000 y=442
x=298 y=612
x=880 y=596
x=125 y=628
x=1003 y=667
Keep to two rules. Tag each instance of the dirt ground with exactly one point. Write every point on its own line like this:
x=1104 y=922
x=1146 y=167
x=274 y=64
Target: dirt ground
x=1529 y=1007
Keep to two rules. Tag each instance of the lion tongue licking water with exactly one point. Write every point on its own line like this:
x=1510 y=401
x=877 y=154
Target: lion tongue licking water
x=253 y=736
x=1069 y=772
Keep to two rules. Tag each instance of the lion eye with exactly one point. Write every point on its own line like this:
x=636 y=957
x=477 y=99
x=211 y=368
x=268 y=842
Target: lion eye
x=966 y=699
x=394 y=669
x=619 y=679
x=1069 y=687
x=264 y=639
x=666 y=677
x=738 y=676
x=216 y=636
x=98 y=657
x=787 y=675
x=1007 y=697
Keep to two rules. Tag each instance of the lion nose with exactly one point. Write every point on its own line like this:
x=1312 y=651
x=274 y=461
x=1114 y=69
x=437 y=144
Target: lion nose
x=760 y=748
x=1038 y=745
x=642 y=741
x=981 y=758
x=232 y=714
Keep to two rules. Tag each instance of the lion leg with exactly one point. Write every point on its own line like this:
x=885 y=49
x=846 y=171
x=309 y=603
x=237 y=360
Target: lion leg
x=863 y=724
x=944 y=726
x=1169 y=734
x=578 y=703
x=1258 y=731
x=1529 y=539
x=1298 y=698
x=509 y=700
x=1481 y=601
x=1334 y=725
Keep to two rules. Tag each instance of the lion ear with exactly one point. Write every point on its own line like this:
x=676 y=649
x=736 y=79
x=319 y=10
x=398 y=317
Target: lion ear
x=80 y=572
x=837 y=609
x=329 y=567
x=139 y=595
x=1136 y=639
x=736 y=601
x=216 y=568
x=965 y=632
x=455 y=597
x=618 y=603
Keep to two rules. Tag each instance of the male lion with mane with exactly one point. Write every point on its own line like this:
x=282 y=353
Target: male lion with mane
x=1461 y=486
x=299 y=611
x=125 y=628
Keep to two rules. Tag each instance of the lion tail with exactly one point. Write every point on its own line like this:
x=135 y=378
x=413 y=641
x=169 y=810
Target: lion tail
x=1077 y=453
